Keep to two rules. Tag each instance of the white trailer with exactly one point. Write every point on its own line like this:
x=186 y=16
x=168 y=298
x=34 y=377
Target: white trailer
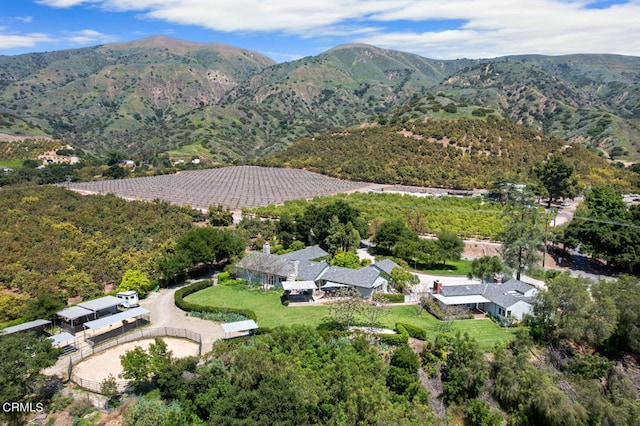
x=129 y=299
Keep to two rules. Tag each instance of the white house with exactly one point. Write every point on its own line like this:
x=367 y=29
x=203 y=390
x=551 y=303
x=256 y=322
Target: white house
x=512 y=298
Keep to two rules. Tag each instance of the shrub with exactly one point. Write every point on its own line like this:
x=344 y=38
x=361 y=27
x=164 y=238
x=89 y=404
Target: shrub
x=393 y=339
x=433 y=308
x=414 y=331
x=231 y=282
x=391 y=298
x=223 y=276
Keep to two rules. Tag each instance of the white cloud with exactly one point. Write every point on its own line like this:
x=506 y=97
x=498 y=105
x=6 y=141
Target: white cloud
x=490 y=28
x=12 y=41
x=88 y=37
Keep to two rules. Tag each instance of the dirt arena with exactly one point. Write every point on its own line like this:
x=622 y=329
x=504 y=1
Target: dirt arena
x=98 y=367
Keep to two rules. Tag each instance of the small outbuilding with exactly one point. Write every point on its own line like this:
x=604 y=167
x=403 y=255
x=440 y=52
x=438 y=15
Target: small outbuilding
x=36 y=326
x=238 y=328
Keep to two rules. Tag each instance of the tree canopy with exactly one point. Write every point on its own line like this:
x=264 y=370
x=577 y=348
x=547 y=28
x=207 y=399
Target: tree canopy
x=607 y=229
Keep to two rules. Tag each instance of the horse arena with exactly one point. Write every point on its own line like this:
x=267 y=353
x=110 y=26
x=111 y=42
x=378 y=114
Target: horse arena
x=233 y=187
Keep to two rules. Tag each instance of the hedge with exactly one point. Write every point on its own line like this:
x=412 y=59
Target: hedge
x=393 y=339
x=402 y=338
x=201 y=285
x=391 y=298
x=413 y=331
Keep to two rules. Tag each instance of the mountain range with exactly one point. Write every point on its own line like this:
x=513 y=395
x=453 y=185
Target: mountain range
x=160 y=95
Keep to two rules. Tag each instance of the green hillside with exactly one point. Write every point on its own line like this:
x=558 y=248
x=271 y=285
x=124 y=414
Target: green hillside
x=462 y=153
x=155 y=95
x=590 y=99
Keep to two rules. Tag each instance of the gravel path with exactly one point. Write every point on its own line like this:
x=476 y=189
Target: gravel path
x=164 y=313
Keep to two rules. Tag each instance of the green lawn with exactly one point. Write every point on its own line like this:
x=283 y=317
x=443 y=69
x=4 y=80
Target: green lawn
x=459 y=267
x=271 y=313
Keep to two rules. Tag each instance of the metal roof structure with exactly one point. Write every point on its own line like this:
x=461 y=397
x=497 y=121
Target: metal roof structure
x=61 y=338
x=105 y=302
x=74 y=312
x=116 y=318
x=234 y=327
x=299 y=285
x=31 y=325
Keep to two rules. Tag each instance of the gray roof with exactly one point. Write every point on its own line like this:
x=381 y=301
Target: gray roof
x=364 y=277
x=74 y=312
x=116 y=318
x=233 y=327
x=258 y=261
x=31 y=325
x=386 y=265
x=462 y=290
x=63 y=337
x=101 y=303
x=504 y=295
x=309 y=253
x=310 y=271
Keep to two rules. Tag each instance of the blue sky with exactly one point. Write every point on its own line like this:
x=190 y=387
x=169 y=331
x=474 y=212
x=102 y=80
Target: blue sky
x=290 y=29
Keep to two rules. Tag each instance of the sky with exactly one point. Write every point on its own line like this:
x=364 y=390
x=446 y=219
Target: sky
x=287 y=30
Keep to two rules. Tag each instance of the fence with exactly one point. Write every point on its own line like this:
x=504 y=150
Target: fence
x=86 y=350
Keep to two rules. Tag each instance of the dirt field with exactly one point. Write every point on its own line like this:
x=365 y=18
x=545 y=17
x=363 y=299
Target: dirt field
x=99 y=366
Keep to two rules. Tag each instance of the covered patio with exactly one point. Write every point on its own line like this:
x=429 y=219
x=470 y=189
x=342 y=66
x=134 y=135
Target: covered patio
x=299 y=291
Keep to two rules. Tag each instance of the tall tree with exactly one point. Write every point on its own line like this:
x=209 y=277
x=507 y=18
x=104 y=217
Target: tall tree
x=557 y=177
x=450 y=246
x=23 y=357
x=605 y=228
x=567 y=310
x=486 y=268
x=523 y=234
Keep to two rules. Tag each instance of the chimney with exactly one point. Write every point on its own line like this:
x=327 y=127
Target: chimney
x=293 y=270
x=266 y=249
x=437 y=286
x=497 y=280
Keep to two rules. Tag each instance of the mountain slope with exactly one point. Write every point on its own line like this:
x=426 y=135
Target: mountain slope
x=126 y=96
x=593 y=99
x=462 y=153
x=154 y=95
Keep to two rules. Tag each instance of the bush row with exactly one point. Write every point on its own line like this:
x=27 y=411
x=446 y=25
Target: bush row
x=392 y=298
x=413 y=330
x=402 y=338
x=393 y=339
x=201 y=285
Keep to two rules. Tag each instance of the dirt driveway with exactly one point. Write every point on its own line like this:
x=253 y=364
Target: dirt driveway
x=164 y=313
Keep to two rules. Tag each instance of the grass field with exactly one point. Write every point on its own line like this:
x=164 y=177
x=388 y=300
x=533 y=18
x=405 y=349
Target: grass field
x=271 y=313
x=458 y=267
